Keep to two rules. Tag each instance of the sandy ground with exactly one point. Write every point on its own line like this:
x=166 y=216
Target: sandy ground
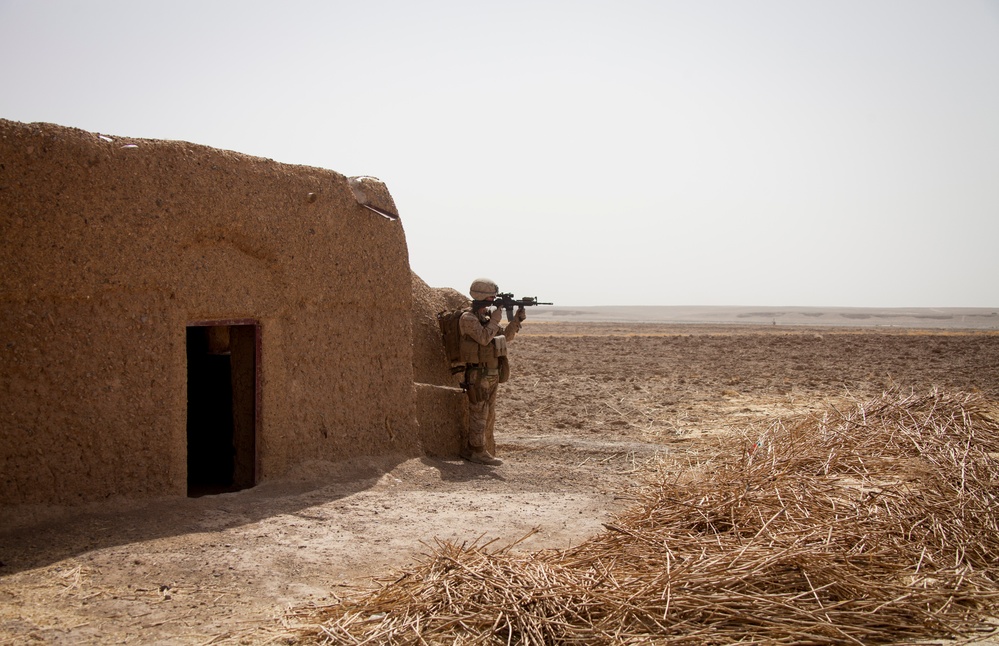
x=588 y=405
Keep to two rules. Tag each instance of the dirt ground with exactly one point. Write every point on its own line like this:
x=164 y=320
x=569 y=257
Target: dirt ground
x=588 y=405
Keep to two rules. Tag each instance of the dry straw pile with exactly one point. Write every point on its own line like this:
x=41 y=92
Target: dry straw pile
x=875 y=526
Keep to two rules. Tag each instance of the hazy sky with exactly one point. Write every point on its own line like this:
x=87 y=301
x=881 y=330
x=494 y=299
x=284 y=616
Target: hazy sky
x=620 y=152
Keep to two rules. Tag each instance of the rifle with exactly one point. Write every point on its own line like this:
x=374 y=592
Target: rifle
x=508 y=301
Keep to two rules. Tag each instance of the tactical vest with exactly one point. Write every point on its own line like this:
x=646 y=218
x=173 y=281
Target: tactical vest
x=461 y=350
x=472 y=352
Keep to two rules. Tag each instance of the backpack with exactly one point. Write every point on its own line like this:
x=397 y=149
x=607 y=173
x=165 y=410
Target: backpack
x=451 y=333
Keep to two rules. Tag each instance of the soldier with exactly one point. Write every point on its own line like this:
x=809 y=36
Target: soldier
x=483 y=351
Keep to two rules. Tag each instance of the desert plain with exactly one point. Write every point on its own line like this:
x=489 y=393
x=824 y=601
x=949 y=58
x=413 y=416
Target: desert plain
x=590 y=405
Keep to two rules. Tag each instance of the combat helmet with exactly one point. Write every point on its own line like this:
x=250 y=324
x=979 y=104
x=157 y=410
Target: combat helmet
x=482 y=288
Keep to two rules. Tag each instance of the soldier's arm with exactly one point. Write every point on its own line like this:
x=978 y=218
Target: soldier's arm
x=471 y=327
x=512 y=327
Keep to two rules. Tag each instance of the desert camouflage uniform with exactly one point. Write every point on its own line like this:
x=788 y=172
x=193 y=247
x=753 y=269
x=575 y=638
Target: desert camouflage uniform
x=483 y=374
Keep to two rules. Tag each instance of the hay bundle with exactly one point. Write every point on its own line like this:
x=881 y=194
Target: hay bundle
x=879 y=525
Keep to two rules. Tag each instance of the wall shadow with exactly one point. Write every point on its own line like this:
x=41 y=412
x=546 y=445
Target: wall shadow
x=36 y=536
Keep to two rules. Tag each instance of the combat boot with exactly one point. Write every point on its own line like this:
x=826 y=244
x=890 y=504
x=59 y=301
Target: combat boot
x=481 y=456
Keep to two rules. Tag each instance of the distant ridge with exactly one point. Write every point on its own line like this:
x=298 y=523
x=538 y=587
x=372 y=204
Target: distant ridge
x=904 y=317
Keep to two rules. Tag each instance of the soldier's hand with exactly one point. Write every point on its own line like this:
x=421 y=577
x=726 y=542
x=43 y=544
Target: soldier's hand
x=521 y=313
x=496 y=315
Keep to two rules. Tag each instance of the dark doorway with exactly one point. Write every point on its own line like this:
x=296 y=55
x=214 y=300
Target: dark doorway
x=221 y=407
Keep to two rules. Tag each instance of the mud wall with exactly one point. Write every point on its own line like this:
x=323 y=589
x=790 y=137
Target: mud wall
x=441 y=406
x=112 y=246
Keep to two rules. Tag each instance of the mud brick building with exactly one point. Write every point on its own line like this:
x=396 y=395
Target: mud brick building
x=176 y=319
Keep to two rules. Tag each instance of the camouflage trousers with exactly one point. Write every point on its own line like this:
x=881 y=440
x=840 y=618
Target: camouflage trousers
x=481 y=410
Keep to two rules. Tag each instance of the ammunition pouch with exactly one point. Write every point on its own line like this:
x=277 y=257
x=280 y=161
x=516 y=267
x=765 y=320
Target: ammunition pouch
x=476 y=393
x=478 y=377
x=473 y=384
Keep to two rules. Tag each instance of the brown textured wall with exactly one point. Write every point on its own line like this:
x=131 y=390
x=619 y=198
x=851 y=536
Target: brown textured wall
x=441 y=407
x=112 y=246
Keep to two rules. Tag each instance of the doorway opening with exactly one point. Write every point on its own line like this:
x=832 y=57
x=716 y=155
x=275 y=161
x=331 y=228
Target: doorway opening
x=222 y=406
